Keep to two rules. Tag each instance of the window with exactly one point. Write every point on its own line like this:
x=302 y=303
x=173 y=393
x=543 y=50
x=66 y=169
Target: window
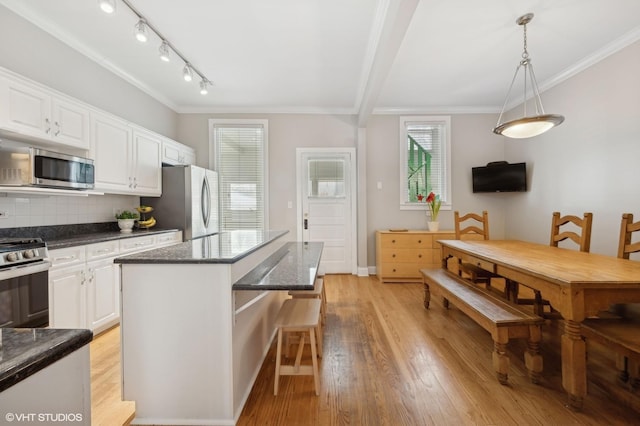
x=239 y=150
x=425 y=164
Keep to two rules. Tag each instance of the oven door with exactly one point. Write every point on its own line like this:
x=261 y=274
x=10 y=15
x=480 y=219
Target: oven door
x=24 y=299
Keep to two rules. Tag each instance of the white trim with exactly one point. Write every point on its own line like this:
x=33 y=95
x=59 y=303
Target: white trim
x=242 y=121
x=266 y=110
x=354 y=195
x=363 y=272
x=435 y=110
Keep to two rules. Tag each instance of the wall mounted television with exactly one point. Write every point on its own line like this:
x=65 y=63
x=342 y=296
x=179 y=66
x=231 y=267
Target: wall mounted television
x=500 y=176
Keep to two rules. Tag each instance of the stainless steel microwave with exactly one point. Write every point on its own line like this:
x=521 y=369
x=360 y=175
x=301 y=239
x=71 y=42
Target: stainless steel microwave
x=28 y=166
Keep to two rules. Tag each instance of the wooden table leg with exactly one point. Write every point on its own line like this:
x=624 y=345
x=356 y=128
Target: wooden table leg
x=427 y=296
x=574 y=373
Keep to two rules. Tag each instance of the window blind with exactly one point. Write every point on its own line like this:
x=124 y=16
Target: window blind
x=427 y=154
x=240 y=162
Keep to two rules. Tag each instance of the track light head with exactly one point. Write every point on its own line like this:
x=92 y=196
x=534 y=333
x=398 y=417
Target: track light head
x=164 y=51
x=141 y=32
x=107 y=6
x=203 y=87
x=187 y=73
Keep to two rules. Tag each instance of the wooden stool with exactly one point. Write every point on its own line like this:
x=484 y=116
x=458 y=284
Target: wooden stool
x=299 y=315
x=317 y=293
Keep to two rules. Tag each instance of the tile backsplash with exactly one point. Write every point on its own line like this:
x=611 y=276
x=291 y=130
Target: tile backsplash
x=60 y=210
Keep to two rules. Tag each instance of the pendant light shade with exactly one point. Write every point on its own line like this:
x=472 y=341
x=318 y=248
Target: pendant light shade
x=527 y=126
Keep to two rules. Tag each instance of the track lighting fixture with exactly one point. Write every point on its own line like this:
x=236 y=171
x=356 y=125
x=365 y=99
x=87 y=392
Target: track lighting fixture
x=142 y=30
x=187 y=74
x=203 y=87
x=107 y=6
x=164 y=51
x=527 y=126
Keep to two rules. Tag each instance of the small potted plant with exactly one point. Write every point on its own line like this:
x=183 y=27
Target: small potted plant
x=126 y=220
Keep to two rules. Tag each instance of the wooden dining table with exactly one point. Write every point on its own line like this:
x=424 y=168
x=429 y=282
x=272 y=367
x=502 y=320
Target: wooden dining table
x=577 y=284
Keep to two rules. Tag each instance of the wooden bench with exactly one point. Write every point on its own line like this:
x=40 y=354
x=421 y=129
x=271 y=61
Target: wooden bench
x=501 y=318
x=622 y=337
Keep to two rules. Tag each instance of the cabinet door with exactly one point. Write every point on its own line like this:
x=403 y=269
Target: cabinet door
x=103 y=301
x=111 y=150
x=147 y=175
x=188 y=156
x=70 y=123
x=25 y=109
x=67 y=298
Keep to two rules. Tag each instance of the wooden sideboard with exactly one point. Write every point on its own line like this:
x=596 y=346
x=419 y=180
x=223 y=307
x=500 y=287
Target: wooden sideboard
x=401 y=255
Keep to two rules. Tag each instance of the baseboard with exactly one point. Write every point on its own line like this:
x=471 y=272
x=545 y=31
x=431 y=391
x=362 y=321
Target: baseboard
x=363 y=272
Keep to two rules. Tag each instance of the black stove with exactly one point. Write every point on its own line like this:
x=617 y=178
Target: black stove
x=21 y=251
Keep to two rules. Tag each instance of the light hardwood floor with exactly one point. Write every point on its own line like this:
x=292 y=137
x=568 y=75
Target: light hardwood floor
x=388 y=361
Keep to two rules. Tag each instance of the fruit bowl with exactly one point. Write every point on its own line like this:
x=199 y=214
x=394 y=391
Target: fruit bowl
x=148 y=223
x=144 y=209
x=144 y=222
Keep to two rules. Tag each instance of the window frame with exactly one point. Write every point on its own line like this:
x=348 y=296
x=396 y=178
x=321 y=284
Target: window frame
x=213 y=156
x=445 y=152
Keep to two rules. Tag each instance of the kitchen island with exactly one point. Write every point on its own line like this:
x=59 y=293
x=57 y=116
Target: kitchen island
x=198 y=321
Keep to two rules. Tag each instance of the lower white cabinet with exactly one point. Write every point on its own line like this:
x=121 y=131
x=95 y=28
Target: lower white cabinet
x=84 y=283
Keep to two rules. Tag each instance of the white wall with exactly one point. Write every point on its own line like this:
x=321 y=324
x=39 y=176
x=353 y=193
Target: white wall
x=472 y=144
x=286 y=133
x=590 y=163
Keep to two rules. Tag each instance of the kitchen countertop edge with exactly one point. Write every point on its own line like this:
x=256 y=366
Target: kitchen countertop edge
x=99 y=237
x=37 y=356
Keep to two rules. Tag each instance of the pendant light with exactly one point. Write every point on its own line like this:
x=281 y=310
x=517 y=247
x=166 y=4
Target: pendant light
x=527 y=126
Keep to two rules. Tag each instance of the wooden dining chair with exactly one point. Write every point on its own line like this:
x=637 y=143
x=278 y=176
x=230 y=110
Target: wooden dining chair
x=568 y=227
x=613 y=331
x=582 y=236
x=473 y=226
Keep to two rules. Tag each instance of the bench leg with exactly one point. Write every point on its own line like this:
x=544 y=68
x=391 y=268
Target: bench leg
x=532 y=357
x=427 y=296
x=499 y=356
x=634 y=373
x=278 y=360
x=623 y=370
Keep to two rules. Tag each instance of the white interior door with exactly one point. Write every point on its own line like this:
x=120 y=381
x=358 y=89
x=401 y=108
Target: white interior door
x=326 y=207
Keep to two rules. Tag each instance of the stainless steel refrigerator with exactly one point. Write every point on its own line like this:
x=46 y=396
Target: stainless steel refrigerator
x=189 y=201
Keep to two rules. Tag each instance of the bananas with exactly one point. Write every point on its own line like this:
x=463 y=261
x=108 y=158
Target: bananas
x=144 y=209
x=147 y=223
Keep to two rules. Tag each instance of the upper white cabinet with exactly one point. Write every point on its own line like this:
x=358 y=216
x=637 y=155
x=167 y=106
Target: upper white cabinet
x=175 y=153
x=146 y=170
x=31 y=112
x=127 y=158
x=111 y=150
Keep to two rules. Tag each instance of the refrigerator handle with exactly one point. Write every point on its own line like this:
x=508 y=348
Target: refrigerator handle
x=205 y=203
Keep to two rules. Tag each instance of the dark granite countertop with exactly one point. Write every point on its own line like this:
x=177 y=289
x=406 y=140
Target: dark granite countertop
x=25 y=351
x=62 y=236
x=225 y=247
x=292 y=267
x=98 y=237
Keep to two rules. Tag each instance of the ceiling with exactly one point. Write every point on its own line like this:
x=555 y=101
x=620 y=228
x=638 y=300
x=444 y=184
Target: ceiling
x=341 y=56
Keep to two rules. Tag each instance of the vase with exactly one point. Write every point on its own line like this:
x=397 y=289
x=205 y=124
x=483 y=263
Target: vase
x=433 y=226
x=126 y=225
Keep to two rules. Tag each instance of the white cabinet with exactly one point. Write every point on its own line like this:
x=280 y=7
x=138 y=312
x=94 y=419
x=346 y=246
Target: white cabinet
x=127 y=159
x=111 y=141
x=175 y=153
x=84 y=283
x=32 y=112
x=146 y=171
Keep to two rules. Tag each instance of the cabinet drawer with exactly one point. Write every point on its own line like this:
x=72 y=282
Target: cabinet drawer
x=480 y=263
x=406 y=240
x=401 y=255
x=168 y=238
x=128 y=245
x=67 y=257
x=102 y=250
x=401 y=270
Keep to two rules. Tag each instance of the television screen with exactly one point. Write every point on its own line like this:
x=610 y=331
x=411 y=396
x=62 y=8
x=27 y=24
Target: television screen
x=500 y=177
